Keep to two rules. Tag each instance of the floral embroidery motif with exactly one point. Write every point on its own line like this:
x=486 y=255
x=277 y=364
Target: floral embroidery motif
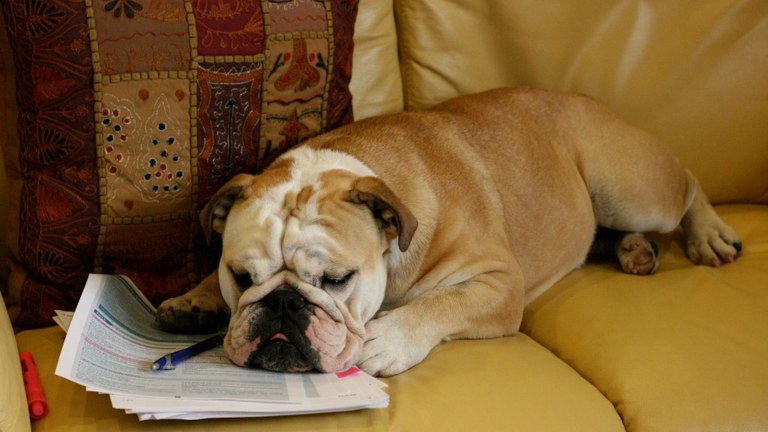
x=229 y=26
x=156 y=38
x=163 y=10
x=44 y=17
x=294 y=92
x=300 y=75
x=50 y=84
x=294 y=131
x=54 y=206
x=117 y=7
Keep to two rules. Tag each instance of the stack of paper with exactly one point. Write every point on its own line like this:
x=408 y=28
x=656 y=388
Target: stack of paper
x=113 y=339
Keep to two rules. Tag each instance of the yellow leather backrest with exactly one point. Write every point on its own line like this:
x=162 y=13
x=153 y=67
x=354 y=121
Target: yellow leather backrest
x=376 y=84
x=694 y=73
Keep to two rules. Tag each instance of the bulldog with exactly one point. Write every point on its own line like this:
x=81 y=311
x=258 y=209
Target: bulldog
x=371 y=244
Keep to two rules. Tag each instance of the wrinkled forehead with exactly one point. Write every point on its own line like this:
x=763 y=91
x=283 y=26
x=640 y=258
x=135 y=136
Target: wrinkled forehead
x=252 y=235
x=286 y=226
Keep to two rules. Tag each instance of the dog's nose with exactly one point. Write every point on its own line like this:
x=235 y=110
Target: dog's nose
x=284 y=300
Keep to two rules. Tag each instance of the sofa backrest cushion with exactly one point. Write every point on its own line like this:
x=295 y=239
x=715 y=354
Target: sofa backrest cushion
x=376 y=84
x=693 y=73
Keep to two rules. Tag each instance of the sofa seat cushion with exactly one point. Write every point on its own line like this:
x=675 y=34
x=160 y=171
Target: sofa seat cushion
x=684 y=349
x=509 y=384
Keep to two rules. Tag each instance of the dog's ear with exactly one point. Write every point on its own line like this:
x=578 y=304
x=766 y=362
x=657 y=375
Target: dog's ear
x=393 y=216
x=214 y=214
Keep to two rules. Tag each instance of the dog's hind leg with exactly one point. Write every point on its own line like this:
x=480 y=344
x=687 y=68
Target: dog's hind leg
x=636 y=184
x=636 y=253
x=634 y=206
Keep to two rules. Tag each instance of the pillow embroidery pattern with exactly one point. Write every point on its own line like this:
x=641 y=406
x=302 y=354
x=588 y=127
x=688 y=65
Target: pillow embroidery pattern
x=134 y=112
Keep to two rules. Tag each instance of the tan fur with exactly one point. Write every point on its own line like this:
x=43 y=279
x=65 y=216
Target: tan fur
x=486 y=201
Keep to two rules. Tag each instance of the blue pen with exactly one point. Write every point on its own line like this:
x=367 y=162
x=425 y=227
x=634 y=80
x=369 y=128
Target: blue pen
x=169 y=361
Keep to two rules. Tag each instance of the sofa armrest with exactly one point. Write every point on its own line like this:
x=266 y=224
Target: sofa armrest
x=14 y=415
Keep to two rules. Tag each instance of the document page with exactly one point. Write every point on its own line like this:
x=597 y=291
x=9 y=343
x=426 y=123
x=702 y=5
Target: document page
x=113 y=340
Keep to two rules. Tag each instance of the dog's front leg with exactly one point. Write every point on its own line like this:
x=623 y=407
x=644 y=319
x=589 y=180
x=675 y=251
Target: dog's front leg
x=488 y=305
x=198 y=310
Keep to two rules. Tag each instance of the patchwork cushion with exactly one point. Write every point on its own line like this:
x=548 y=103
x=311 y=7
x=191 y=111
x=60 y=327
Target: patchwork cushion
x=133 y=112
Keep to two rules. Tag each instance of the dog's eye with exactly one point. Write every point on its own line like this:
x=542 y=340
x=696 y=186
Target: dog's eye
x=334 y=281
x=243 y=280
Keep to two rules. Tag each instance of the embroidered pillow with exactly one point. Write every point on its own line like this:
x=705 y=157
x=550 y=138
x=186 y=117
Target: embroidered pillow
x=133 y=112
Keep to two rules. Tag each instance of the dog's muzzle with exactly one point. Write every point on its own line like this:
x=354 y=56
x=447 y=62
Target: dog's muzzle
x=285 y=331
x=279 y=323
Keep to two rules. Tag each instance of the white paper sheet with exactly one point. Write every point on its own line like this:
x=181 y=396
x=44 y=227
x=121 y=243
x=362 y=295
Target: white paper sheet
x=113 y=339
x=63 y=319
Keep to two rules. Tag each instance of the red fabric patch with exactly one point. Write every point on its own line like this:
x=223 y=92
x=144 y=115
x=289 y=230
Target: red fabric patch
x=229 y=27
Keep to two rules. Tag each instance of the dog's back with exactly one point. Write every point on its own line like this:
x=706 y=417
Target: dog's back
x=536 y=197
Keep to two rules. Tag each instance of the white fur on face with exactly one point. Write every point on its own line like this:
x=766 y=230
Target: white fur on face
x=259 y=236
x=276 y=240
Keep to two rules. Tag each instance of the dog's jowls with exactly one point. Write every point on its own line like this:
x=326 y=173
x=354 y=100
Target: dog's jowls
x=371 y=244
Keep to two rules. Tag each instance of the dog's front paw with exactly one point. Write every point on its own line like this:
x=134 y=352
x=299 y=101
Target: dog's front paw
x=192 y=313
x=392 y=346
x=712 y=244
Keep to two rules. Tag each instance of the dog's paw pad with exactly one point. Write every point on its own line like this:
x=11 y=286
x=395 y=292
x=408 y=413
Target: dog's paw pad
x=637 y=254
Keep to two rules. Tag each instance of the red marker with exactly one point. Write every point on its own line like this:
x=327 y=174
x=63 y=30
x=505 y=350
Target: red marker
x=38 y=406
x=349 y=372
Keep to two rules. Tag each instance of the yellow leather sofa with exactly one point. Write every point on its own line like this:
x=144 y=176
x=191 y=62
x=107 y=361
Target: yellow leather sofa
x=683 y=350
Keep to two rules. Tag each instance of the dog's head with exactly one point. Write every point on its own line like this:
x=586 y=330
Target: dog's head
x=303 y=263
